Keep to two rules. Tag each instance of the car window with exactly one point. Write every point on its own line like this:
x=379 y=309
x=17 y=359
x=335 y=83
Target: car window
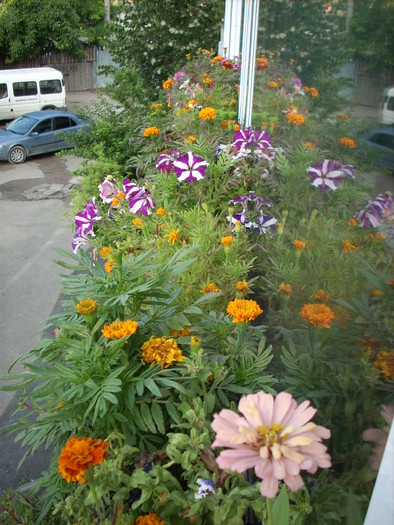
x=43 y=127
x=63 y=123
x=390 y=104
x=22 y=125
x=383 y=140
x=49 y=87
x=3 y=91
x=24 y=89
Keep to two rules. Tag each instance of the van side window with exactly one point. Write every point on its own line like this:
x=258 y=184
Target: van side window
x=390 y=104
x=63 y=122
x=24 y=89
x=49 y=87
x=3 y=91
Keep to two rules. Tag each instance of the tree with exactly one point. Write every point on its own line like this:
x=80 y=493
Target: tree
x=29 y=28
x=154 y=37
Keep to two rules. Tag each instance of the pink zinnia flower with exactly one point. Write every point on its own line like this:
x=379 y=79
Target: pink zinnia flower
x=275 y=436
x=379 y=436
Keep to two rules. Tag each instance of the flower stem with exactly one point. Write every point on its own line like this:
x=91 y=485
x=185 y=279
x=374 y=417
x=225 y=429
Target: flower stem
x=269 y=512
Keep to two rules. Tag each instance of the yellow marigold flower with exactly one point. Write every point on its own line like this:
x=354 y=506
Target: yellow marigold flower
x=243 y=310
x=150 y=519
x=172 y=236
x=168 y=83
x=317 y=314
x=272 y=85
x=236 y=127
x=76 y=456
x=311 y=90
x=291 y=60
x=349 y=143
x=342 y=116
x=156 y=106
x=207 y=113
x=206 y=79
x=211 y=288
x=161 y=212
x=321 y=296
x=347 y=246
x=377 y=293
x=380 y=236
x=137 y=223
x=86 y=306
x=295 y=118
x=241 y=286
x=218 y=58
x=300 y=245
x=119 y=329
x=285 y=288
x=190 y=139
x=309 y=145
x=115 y=202
x=152 y=131
x=105 y=251
x=352 y=222
x=293 y=108
x=384 y=362
x=226 y=241
x=181 y=333
x=162 y=351
x=109 y=265
x=261 y=63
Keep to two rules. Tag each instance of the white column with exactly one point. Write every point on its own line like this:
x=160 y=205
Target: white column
x=232 y=28
x=248 y=61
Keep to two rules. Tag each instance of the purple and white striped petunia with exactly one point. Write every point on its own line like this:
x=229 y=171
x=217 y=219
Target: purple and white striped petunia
x=246 y=138
x=165 y=161
x=325 y=175
x=143 y=204
x=107 y=191
x=265 y=223
x=85 y=220
x=131 y=190
x=80 y=239
x=252 y=197
x=375 y=211
x=190 y=167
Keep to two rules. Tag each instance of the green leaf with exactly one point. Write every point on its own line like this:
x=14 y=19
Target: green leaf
x=147 y=417
x=157 y=414
x=353 y=514
x=281 y=508
x=152 y=386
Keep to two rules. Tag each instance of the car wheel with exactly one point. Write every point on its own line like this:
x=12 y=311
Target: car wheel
x=17 y=155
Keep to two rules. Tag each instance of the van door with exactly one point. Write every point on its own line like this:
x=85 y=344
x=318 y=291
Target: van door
x=4 y=102
x=24 y=98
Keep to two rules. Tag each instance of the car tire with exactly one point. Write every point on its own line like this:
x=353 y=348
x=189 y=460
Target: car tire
x=17 y=155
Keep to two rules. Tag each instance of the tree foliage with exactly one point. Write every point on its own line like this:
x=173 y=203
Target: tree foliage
x=29 y=28
x=154 y=37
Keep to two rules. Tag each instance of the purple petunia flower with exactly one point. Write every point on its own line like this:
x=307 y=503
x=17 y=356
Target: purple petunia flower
x=262 y=224
x=131 y=190
x=178 y=75
x=165 y=162
x=190 y=167
x=86 y=219
x=252 y=197
x=375 y=211
x=80 y=239
x=107 y=191
x=325 y=175
x=139 y=200
x=247 y=138
x=206 y=487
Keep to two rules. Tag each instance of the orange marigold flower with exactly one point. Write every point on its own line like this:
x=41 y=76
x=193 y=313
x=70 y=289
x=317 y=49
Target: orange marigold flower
x=300 y=245
x=236 y=127
x=317 y=314
x=285 y=288
x=156 y=106
x=181 y=333
x=291 y=60
x=172 y=236
x=137 y=223
x=119 y=329
x=86 y=306
x=321 y=296
x=152 y=131
x=192 y=103
x=190 y=139
x=161 y=212
x=109 y=265
x=150 y=519
x=226 y=241
x=105 y=251
x=309 y=145
x=349 y=143
x=391 y=283
x=207 y=113
x=342 y=116
x=162 y=351
x=347 y=246
x=295 y=118
x=261 y=63
x=211 y=288
x=206 y=79
x=243 y=310
x=78 y=454
x=377 y=293
x=380 y=236
x=272 y=84
x=168 y=83
x=216 y=59
x=352 y=222
x=241 y=286
x=312 y=91
x=384 y=362
x=280 y=80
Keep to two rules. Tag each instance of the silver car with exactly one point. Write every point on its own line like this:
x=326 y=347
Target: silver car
x=39 y=132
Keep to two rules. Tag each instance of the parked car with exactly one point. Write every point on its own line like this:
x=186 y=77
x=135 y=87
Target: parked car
x=381 y=143
x=39 y=132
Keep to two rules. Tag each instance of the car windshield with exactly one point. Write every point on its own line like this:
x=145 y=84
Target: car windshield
x=22 y=125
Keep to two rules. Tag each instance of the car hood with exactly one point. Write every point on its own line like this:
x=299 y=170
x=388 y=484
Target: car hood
x=8 y=136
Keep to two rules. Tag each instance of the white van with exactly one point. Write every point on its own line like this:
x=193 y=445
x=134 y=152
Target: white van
x=387 y=114
x=25 y=90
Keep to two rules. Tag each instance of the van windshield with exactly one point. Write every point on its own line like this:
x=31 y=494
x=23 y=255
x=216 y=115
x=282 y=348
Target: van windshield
x=21 y=125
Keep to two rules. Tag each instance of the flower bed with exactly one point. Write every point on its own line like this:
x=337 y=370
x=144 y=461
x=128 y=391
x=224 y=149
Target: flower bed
x=229 y=285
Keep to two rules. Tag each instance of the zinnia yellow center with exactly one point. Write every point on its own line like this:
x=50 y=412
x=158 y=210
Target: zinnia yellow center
x=270 y=436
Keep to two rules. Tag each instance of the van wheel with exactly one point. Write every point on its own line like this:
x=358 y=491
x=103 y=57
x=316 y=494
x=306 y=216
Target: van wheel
x=17 y=155
x=47 y=107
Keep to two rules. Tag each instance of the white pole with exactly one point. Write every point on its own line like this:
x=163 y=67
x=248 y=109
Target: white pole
x=232 y=28
x=252 y=62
